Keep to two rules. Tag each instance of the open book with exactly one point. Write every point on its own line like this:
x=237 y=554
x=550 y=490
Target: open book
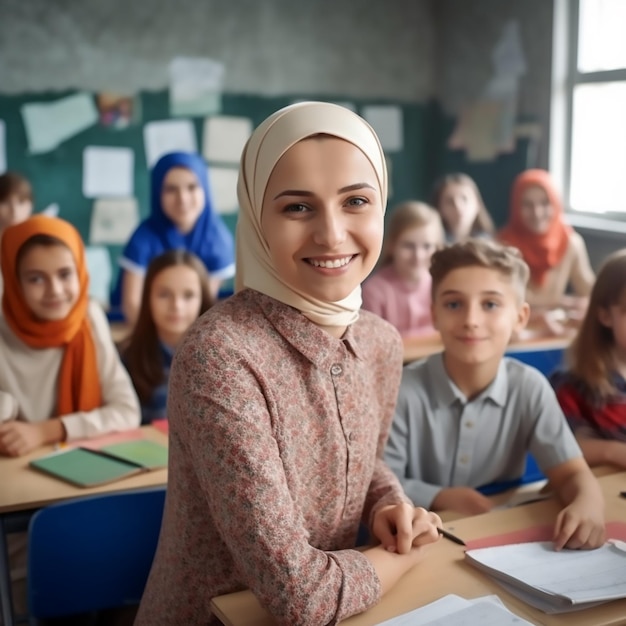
x=554 y=581
x=89 y=467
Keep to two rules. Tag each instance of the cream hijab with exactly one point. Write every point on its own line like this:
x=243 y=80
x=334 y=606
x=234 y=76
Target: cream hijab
x=267 y=144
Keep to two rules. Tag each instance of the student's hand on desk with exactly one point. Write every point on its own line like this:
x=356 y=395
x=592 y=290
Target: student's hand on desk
x=19 y=438
x=399 y=527
x=462 y=499
x=579 y=527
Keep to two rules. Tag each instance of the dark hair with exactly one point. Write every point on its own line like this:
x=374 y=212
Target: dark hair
x=483 y=222
x=141 y=352
x=34 y=241
x=12 y=183
x=480 y=253
x=591 y=354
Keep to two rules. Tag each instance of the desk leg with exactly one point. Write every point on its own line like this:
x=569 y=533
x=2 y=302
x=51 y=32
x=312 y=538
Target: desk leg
x=6 y=601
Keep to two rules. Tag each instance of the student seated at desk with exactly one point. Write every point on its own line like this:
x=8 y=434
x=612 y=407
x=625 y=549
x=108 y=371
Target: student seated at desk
x=16 y=202
x=57 y=359
x=281 y=397
x=462 y=209
x=592 y=393
x=399 y=291
x=175 y=293
x=467 y=417
x=182 y=217
x=555 y=253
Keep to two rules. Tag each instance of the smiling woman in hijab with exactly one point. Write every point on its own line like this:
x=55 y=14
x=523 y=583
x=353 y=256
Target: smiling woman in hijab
x=181 y=218
x=281 y=397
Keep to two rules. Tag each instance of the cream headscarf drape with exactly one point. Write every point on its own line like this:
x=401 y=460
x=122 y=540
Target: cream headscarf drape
x=266 y=145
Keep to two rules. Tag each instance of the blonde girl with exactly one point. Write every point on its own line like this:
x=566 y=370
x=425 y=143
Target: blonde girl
x=399 y=291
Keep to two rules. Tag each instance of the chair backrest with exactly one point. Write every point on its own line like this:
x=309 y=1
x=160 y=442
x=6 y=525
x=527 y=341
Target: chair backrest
x=92 y=553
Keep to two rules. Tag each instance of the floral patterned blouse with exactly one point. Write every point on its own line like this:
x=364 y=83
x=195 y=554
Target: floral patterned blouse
x=277 y=432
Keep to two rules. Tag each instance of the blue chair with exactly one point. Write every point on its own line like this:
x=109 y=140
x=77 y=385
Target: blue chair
x=92 y=553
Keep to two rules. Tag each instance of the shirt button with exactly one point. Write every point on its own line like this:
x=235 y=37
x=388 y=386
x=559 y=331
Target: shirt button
x=336 y=369
x=464 y=459
x=469 y=424
x=350 y=437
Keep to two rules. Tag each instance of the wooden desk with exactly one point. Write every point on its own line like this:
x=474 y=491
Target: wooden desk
x=444 y=571
x=24 y=490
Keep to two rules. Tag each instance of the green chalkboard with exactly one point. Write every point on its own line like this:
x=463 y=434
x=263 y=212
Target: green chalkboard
x=57 y=175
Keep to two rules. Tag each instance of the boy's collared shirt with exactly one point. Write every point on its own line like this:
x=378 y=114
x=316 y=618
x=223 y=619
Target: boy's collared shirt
x=440 y=439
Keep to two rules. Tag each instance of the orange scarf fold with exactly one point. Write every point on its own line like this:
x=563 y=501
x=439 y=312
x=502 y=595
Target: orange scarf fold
x=78 y=383
x=541 y=252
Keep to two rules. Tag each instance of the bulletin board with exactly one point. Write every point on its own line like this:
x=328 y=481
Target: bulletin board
x=57 y=176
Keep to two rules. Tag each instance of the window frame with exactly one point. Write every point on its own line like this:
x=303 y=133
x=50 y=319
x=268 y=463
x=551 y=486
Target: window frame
x=565 y=78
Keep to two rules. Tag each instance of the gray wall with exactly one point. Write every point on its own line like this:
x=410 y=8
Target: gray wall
x=352 y=48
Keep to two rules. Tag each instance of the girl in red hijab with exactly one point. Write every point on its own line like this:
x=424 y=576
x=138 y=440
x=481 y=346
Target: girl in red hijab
x=57 y=359
x=561 y=277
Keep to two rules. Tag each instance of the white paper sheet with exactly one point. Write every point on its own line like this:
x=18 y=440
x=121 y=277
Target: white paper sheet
x=223 y=184
x=108 y=172
x=168 y=136
x=452 y=610
x=52 y=210
x=3 y=147
x=224 y=138
x=100 y=273
x=48 y=124
x=195 y=86
x=113 y=220
x=388 y=123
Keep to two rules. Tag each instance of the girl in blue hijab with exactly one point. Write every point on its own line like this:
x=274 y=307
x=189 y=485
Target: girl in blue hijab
x=181 y=217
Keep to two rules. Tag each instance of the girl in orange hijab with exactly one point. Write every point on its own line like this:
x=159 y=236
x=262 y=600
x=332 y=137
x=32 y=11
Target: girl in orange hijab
x=561 y=277
x=57 y=358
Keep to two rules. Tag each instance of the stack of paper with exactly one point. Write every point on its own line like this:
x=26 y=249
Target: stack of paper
x=452 y=610
x=552 y=581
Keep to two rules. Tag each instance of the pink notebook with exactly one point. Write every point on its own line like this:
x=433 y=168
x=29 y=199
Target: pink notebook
x=614 y=530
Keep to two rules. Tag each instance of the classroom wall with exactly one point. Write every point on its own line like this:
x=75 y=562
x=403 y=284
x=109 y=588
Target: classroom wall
x=356 y=48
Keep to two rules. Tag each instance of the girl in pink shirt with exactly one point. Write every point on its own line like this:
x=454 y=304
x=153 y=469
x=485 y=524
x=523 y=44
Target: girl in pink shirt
x=399 y=291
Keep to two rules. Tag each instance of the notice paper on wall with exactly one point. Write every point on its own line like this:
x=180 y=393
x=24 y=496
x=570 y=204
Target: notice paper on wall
x=195 y=86
x=113 y=220
x=108 y=172
x=168 y=136
x=100 y=273
x=388 y=124
x=48 y=124
x=224 y=137
x=3 y=147
x=223 y=183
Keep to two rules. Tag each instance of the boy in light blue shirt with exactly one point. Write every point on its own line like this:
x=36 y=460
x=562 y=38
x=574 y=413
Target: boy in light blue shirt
x=467 y=417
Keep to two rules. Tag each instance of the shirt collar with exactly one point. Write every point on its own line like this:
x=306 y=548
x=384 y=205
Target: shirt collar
x=310 y=340
x=447 y=393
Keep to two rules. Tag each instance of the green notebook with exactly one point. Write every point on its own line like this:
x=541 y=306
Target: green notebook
x=87 y=467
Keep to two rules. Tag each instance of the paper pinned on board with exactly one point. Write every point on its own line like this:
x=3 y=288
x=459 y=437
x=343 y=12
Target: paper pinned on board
x=168 y=136
x=100 y=273
x=3 y=147
x=108 y=172
x=223 y=185
x=195 y=86
x=388 y=124
x=224 y=138
x=113 y=220
x=52 y=210
x=48 y=124
x=486 y=127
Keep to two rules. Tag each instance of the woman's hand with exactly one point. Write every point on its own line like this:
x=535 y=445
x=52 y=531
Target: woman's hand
x=399 y=527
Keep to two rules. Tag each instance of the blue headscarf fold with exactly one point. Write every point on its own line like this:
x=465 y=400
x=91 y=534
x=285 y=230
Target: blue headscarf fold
x=206 y=228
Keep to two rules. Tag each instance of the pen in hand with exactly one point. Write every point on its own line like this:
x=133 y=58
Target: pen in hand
x=450 y=536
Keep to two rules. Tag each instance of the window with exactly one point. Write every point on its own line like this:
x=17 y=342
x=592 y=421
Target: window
x=594 y=111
